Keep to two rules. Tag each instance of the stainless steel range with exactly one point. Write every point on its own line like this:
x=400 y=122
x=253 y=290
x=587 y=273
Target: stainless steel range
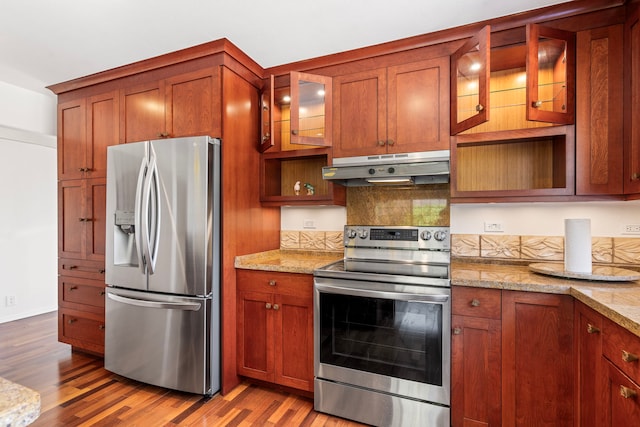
x=382 y=320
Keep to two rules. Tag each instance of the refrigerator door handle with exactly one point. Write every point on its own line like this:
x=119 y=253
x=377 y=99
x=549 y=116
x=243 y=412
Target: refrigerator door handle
x=138 y=226
x=151 y=212
x=194 y=306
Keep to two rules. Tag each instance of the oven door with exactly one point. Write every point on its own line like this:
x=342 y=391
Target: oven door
x=385 y=337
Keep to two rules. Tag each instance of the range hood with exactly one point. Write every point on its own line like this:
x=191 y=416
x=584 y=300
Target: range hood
x=429 y=167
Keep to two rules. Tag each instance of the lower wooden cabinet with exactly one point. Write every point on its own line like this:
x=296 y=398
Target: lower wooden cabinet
x=537 y=359
x=512 y=358
x=588 y=345
x=620 y=397
x=275 y=327
x=476 y=357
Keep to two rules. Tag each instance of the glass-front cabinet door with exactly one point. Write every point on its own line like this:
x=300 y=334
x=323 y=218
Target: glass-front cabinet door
x=300 y=112
x=518 y=84
x=310 y=109
x=550 y=71
x=470 y=83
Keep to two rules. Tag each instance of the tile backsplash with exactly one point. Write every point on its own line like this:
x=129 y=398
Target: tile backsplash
x=326 y=241
x=606 y=250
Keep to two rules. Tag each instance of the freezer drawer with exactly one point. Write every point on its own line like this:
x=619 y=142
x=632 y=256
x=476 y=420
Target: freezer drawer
x=162 y=340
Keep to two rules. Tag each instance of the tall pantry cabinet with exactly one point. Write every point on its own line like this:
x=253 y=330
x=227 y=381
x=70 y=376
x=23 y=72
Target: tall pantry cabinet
x=210 y=89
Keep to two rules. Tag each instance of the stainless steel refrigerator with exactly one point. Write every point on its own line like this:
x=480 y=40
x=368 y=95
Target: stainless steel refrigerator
x=163 y=263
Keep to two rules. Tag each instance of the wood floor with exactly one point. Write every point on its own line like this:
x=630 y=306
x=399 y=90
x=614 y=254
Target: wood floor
x=75 y=390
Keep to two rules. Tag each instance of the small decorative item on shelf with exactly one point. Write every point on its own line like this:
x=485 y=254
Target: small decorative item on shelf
x=310 y=189
x=296 y=188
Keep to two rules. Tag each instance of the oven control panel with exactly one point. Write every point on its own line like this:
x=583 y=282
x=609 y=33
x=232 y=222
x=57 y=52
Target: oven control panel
x=407 y=237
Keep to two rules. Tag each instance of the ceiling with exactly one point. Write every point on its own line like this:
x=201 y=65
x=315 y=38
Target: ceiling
x=43 y=42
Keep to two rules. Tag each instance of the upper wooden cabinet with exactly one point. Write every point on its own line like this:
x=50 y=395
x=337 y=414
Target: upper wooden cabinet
x=515 y=86
x=86 y=127
x=184 y=105
x=398 y=109
x=599 y=118
x=298 y=115
x=632 y=103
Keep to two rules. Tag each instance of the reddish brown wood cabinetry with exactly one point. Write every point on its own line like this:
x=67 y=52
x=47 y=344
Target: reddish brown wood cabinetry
x=275 y=327
x=476 y=357
x=588 y=346
x=599 y=111
x=398 y=109
x=537 y=359
x=632 y=103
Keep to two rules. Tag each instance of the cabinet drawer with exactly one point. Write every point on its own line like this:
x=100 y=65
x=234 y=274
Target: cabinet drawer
x=81 y=294
x=82 y=330
x=476 y=302
x=622 y=348
x=81 y=268
x=294 y=284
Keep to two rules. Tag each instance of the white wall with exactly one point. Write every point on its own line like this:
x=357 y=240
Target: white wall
x=532 y=219
x=28 y=203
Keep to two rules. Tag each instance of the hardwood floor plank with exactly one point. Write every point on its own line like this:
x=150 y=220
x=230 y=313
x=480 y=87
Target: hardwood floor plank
x=76 y=390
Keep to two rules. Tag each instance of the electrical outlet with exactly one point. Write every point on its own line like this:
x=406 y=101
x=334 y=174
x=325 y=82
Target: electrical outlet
x=10 y=300
x=631 y=229
x=308 y=223
x=493 y=227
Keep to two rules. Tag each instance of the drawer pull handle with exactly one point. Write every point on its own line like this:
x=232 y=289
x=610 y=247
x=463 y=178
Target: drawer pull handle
x=101 y=271
x=635 y=176
x=73 y=288
x=592 y=329
x=101 y=327
x=70 y=267
x=267 y=306
x=272 y=282
x=276 y=307
x=627 y=393
x=70 y=321
x=629 y=357
x=475 y=303
x=101 y=293
x=457 y=331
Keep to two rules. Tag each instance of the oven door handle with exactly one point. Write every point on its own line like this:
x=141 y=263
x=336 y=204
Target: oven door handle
x=403 y=296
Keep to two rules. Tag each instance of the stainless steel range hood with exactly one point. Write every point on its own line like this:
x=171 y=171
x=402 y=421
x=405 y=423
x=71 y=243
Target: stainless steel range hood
x=429 y=167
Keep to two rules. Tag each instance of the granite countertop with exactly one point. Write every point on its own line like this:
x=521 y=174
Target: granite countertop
x=287 y=261
x=618 y=301
x=19 y=406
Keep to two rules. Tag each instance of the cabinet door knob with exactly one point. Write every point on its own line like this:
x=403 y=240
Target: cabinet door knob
x=475 y=303
x=390 y=142
x=70 y=321
x=267 y=306
x=479 y=107
x=276 y=307
x=101 y=293
x=163 y=134
x=294 y=132
x=272 y=282
x=381 y=143
x=101 y=327
x=101 y=271
x=627 y=392
x=629 y=357
x=635 y=176
x=457 y=331
x=536 y=104
x=592 y=329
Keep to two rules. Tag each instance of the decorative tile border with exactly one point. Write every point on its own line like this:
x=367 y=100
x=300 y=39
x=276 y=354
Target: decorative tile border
x=323 y=241
x=607 y=250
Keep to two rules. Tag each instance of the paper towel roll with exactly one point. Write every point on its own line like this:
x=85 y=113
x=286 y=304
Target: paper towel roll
x=577 y=245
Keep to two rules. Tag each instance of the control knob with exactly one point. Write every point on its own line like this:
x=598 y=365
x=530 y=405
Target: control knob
x=425 y=235
x=440 y=235
x=351 y=233
x=372 y=171
x=363 y=234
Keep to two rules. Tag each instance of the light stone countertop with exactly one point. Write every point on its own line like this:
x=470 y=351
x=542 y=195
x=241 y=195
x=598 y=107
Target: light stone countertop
x=19 y=405
x=618 y=301
x=287 y=261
